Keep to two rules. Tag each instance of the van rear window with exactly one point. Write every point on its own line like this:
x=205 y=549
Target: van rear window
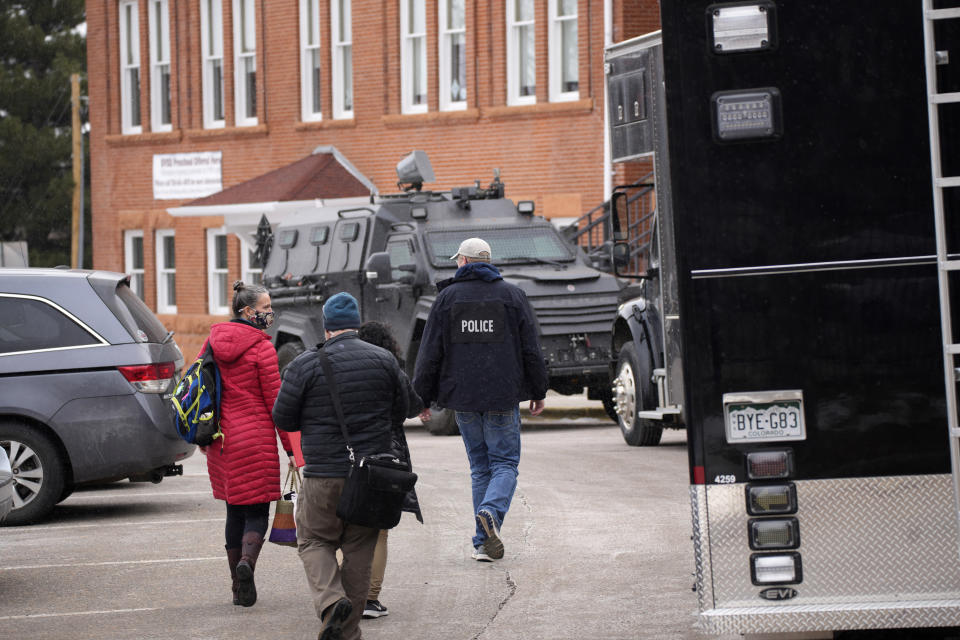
x=141 y=323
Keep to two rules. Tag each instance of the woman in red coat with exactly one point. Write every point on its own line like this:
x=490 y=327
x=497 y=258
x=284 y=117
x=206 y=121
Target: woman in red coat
x=244 y=466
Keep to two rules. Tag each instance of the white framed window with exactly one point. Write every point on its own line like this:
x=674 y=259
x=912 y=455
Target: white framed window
x=413 y=56
x=211 y=44
x=453 y=55
x=133 y=259
x=245 y=61
x=159 y=20
x=166 y=271
x=218 y=288
x=310 y=109
x=130 y=67
x=341 y=29
x=521 y=53
x=564 y=51
x=251 y=268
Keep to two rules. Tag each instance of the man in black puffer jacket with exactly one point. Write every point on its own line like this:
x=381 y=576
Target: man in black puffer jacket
x=374 y=393
x=480 y=356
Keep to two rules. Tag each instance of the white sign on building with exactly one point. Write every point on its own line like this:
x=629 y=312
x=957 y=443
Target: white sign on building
x=177 y=176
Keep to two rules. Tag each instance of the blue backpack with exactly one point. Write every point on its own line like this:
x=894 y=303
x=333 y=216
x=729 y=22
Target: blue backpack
x=196 y=401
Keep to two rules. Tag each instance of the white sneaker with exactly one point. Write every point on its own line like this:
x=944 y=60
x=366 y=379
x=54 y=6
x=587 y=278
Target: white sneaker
x=493 y=543
x=373 y=609
x=480 y=555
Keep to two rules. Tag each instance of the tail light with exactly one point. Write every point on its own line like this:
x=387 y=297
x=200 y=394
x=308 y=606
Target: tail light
x=771 y=499
x=769 y=465
x=774 y=533
x=776 y=569
x=149 y=378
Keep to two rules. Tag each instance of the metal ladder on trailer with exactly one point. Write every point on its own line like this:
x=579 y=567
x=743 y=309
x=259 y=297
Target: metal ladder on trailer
x=945 y=265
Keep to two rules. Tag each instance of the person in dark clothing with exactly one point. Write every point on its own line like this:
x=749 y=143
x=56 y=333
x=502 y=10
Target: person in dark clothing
x=243 y=466
x=375 y=394
x=480 y=356
x=379 y=334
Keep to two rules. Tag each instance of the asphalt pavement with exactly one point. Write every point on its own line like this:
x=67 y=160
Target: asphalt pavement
x=597 y=546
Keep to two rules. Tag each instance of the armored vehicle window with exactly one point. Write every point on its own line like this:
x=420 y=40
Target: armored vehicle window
x=511 y=244
x=349 y=231
x=31 y=324
x=401 y=252
x=319 y=235
x=288 y=238
x=347 y=245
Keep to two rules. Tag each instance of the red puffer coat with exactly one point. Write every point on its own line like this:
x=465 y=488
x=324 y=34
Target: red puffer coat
x=245 y=467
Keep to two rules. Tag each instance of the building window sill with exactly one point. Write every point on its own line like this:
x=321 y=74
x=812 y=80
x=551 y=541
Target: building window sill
x=539 y=110
x=342 y=123
x=228 y=132
x=433 y=117
x=164 y=137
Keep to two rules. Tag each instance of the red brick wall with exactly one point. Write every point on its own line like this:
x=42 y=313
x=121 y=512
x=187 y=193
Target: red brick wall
x=549 y=152
x=634 y=18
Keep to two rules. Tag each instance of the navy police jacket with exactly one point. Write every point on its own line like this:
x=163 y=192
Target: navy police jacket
x=479 y=350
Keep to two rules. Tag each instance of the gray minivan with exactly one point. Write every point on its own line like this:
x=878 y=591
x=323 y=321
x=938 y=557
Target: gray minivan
x=86 y=370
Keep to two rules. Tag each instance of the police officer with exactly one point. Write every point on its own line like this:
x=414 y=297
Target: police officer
x=480 y=356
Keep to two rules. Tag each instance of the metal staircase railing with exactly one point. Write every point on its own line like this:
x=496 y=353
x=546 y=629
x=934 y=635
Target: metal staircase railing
x=592 y=230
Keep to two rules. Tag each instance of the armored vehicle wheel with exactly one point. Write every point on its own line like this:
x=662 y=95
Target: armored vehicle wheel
x=633 y=391
x=38 y=475
x=609 y=403
x=443 y=422
x=287 y=352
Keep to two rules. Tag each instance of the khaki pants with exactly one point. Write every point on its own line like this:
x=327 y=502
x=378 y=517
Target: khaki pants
x=379 y=566
x=319 y=534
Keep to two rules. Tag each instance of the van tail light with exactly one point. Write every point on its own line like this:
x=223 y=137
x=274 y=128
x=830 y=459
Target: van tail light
x=771 y=499
x=150 y=378
x=776 y=569
x=769 y=465
x=774 y=533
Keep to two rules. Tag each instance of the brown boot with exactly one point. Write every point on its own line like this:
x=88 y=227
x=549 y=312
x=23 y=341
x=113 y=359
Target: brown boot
x=246 y=589
x=233 y=557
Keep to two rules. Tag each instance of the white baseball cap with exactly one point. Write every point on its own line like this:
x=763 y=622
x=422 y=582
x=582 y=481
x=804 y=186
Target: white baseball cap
x=473 y=248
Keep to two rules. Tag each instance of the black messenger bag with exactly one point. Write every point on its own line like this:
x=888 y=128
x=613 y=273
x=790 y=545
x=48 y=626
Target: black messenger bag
x=376 y=485
x=374 y=491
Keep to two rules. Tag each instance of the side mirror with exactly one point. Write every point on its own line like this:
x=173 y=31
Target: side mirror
x=621 y=254
x=409 y=275
x=378 y=268
x=618 y=215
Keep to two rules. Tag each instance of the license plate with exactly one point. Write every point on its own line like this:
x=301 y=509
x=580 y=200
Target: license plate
x=768 y=416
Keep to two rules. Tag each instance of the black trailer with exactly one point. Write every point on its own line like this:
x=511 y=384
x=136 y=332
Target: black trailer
x=814 y=212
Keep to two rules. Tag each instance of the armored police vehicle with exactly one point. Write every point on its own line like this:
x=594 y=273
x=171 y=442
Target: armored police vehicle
x=808 y=173
x=389 y=253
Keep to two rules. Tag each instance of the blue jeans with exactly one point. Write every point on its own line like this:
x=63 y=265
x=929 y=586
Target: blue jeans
x=492 y=439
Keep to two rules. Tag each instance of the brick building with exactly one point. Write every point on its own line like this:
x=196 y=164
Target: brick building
x=191 y=97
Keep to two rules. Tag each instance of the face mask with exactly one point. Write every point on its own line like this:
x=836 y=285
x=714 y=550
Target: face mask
x=262 y=319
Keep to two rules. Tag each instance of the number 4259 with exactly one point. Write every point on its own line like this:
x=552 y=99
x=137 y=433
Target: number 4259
x=725 y=479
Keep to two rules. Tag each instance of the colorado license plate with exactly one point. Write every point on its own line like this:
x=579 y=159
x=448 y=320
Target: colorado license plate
x=768 y=416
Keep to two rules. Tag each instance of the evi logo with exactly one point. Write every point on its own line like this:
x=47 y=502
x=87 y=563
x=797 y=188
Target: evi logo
x=778 y=593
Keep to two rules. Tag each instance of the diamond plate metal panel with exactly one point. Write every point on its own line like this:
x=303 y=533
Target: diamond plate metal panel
x=876 y=552
x=788 y=618
x=698 y=509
